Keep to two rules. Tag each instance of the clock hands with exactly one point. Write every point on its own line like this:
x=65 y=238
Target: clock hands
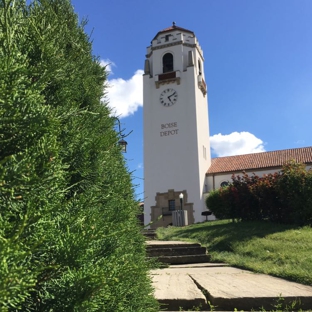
x=173 y=94
x=168 y=97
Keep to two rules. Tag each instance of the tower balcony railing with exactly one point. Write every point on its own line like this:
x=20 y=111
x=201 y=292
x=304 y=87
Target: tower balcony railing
x=165 y=78
x=202 y=84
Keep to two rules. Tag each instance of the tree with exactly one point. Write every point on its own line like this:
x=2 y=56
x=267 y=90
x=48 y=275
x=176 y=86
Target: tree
x=69 y=237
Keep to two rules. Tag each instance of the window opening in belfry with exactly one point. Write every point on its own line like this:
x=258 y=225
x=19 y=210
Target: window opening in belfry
x=199 y=67
x=167 y=63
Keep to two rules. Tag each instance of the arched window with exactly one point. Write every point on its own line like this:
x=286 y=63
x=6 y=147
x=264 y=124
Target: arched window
x=167 y=63
x=224 y=183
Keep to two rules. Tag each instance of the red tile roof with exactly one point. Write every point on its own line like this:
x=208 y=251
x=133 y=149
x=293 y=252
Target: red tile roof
x=263 y=160
x=171 y=28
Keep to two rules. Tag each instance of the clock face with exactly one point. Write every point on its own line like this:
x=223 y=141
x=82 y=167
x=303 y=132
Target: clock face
x=168 y=97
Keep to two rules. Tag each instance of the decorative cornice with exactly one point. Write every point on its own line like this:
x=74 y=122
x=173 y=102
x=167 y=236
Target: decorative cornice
x=167 y=78
x=173 y=44
x=167 y=45
x=167 y=81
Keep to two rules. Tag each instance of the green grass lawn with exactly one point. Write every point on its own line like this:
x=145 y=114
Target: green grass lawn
x=279 y=250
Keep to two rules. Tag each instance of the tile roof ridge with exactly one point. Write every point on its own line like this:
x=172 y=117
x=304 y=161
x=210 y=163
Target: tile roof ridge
x=261 y=160
x=266 y=152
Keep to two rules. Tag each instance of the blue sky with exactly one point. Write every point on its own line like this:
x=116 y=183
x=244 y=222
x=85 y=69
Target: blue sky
x=258 y=67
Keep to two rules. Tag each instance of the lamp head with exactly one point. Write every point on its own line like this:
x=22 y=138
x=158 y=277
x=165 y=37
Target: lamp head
x=123 y=144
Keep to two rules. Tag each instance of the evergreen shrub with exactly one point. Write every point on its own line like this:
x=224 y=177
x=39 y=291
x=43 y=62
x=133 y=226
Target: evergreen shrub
x=69 y=236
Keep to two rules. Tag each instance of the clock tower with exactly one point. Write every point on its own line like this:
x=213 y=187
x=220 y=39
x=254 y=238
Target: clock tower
x=176 y=130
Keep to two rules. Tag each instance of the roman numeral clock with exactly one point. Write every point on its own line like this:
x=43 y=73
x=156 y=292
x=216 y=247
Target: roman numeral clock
x=176 y=131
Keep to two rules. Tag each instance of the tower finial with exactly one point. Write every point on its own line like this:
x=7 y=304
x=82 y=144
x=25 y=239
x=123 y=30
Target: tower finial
x=173 y=24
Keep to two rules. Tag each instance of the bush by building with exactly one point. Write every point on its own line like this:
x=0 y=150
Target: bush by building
x=284 y=196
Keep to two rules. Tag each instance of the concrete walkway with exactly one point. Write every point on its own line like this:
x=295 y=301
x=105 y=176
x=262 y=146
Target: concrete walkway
x=226 y=288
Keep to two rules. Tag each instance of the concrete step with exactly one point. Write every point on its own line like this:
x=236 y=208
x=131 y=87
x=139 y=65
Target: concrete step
x=169 y=244
x=175 y=251
x=226 y=289
x=185 y=259
x=159 y=244
x=149 y=234
x=176 y=291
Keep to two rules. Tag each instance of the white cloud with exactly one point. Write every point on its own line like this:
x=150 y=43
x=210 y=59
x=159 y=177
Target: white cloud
x=125 y=96
x=108 y=64
x=236 y=143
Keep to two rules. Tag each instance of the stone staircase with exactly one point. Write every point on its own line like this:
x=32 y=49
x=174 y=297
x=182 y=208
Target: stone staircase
x=175 y=252
x=192 y=282
x=149 y=234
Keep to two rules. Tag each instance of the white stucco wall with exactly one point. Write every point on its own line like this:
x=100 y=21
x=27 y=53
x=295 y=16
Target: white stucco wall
x=214 y=181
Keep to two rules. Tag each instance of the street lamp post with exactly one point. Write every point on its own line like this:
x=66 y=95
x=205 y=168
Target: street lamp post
x=122 y=143
x=181 y=200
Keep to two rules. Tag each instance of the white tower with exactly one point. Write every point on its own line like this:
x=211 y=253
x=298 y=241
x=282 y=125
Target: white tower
x=176 y=131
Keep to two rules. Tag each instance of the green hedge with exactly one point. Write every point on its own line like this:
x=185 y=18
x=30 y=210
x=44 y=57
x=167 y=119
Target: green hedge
x=69 y=236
